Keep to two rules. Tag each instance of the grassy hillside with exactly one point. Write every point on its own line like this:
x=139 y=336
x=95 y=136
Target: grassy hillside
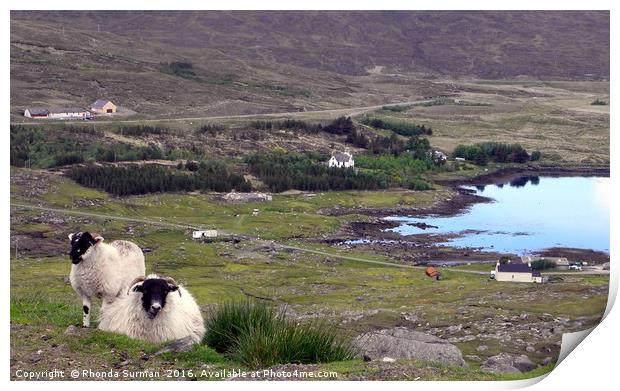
x=355 y=297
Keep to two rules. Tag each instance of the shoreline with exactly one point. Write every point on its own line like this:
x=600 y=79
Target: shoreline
x=422 y=247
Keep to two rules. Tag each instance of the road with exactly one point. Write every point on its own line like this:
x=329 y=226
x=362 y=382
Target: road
x=350 y=111
x=276 y=244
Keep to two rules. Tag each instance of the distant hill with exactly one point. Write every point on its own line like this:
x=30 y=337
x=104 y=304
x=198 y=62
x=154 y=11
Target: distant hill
x=484 y=44
x=286 y=60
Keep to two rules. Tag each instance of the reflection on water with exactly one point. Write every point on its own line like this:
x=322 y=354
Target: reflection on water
x=528 y=214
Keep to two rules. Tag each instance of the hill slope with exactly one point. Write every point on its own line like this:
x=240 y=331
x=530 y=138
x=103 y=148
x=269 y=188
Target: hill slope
x=252 y=62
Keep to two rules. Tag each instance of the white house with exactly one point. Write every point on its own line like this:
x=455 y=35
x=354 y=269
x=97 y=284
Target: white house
x=341 y=159
x=206 y=234
x=517 y=272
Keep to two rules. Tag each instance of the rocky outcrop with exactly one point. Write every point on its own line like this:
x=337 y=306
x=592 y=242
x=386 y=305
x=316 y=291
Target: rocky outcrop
x=507 y=363
x=404 y=343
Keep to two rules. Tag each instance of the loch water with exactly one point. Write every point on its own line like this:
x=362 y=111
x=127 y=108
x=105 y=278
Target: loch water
x=527 y=215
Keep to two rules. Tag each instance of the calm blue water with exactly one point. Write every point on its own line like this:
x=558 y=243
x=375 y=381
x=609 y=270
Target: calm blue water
x=528 y=215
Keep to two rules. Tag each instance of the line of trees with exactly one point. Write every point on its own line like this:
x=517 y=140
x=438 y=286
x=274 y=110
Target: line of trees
x=284 y=171
x=482 y=153
x=143 y=179
x=398 y=127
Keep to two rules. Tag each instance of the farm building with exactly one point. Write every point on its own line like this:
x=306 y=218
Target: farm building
x=341 y=159
x=206 y=234
x=56 y=112
x=102 y=106
x=517 y=272
x=36 y=112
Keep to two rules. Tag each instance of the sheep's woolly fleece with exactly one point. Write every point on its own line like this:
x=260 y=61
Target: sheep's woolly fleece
x=106 y=270
x=179 y=318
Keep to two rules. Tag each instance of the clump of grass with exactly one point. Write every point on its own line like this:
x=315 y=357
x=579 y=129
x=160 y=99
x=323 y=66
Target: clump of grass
x=259 y=335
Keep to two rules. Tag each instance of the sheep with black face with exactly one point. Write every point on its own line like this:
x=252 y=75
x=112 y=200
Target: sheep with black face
x=102 y=270
x=155 y=309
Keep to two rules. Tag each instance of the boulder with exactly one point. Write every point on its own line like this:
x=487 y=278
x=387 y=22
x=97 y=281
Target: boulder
x=524 y=364
x=177 y=346
x=402 y=343
x=501 y=363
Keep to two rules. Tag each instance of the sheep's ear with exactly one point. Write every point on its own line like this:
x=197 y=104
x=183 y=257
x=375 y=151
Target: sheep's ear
x=136 y=285
x=136 y=288
x=174 y=288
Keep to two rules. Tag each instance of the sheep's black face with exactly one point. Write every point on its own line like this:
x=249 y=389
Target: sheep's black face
x=154 y=293
x=80 y=243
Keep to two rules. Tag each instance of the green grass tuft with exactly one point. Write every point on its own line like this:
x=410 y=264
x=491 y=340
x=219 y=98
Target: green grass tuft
x=259 y=335
x=36 y=309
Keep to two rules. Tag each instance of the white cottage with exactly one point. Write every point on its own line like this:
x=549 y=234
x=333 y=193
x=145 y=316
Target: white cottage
x=517 y=272
x=341 y=159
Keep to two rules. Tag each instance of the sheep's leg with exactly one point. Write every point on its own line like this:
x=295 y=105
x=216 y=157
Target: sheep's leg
x=86 y=305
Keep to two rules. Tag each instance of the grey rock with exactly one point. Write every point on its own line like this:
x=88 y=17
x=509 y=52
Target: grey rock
x=501 y=363
x=524 y=364
x=177 y=346
x=482 y=348
x=74 y=330
x=530 y=349
x=473 y=357
x=454 y=329
x=547 y=360
x=400 y=342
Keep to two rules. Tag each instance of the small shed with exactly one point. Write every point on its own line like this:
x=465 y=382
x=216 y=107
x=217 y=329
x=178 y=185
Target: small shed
x=206 y=234
x=102 y=106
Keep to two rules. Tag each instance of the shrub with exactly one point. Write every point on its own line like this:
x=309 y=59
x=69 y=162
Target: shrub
x=211 y=129
x=68 y=158
x=599 y=102
x=418 y=184
x=482 y=153
x=543 y=264
x=341 y=125
x=140 y=130
x=396 y=108
x=181 y=69
x=259 y=335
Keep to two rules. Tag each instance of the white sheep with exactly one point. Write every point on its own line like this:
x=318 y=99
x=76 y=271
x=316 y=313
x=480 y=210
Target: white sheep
x=151 y=312
x=102 y=270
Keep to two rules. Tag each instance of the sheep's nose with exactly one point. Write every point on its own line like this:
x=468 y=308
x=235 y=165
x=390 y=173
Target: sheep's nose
x=155 y=307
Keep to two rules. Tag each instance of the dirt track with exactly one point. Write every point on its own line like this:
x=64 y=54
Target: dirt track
x=351 y=111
